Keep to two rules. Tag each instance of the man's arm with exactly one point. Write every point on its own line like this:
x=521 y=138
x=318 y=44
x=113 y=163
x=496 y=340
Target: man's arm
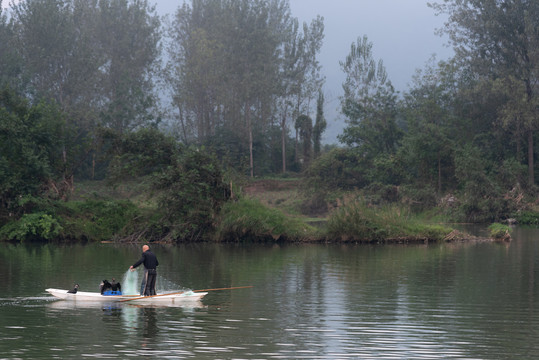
x=140 y=261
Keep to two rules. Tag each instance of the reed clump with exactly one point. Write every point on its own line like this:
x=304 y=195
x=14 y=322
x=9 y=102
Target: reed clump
x=499 y=232
x=357 y=221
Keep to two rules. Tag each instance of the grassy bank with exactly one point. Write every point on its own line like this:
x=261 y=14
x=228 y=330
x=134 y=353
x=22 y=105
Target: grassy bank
x=79 y=220
x=362 y=223
x=269 y=212
x=249 y=220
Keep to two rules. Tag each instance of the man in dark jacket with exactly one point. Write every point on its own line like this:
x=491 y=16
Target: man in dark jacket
x=150 y=262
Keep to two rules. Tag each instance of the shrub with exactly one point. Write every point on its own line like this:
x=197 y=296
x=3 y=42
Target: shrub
x=499 y=231
x=190 y=193
x=315 y=205
x=248 y=219
x=337 y=169
x=31 y=139
x=419 y=198
x=97 y=220
x=36 y=226
x=379 y=193
x=528 y=218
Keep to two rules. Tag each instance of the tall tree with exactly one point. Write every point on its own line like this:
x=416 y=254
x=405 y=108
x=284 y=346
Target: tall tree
x=304 y=129
x=499 y=40
x=129 y=35
x=228 y=61
x=428 y=145
x=319 y=125
x=60 y=60
x=369 y=103
x=90 y=56
x=10 y=64
x=300 y=77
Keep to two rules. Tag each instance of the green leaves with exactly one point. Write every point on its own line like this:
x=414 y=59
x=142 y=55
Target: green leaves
x=237 y=66
x=190 y=192
x=30 y=148
x=185 y=183
x=498 y=41
x=369 y=103
x=93 y=58
x=36 y=226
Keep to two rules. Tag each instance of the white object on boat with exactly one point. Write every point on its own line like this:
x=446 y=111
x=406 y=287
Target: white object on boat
x=179 y=297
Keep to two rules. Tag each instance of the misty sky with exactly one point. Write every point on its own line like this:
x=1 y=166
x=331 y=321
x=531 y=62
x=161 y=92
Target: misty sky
x=402 y=33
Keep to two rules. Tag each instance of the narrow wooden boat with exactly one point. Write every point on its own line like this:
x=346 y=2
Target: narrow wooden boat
x=179 y=297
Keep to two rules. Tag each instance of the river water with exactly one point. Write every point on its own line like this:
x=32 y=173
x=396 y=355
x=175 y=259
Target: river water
x=462 y=301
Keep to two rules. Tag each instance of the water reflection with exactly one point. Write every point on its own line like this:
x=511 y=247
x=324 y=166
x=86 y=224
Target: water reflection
x=54 y=303
x=149 y=323
x=464 y=300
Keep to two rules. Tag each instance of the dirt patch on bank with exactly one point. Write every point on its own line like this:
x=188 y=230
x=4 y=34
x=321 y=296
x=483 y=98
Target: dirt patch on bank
x=258 y=187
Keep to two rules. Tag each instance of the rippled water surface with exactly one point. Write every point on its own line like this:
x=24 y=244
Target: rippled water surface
x=462 y=301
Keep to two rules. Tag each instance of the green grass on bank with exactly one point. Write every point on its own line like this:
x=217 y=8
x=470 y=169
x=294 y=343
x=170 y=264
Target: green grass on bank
x=359 y=222
x=248 y=219
x=97 y=220
x=499 y=231
x=98 y=212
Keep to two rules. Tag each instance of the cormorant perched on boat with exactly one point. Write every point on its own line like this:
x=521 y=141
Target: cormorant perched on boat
x=104 y=286
x=116 y=286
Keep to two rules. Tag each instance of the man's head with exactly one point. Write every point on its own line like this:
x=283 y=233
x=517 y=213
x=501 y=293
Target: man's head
x=145 y=248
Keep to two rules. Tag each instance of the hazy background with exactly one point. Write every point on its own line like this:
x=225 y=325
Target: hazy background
x=402 y=32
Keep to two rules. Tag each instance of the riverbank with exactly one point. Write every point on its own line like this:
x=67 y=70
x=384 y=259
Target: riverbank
x=259 y=211
x=345 y=219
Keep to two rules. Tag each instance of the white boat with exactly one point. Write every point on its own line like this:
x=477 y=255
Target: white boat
x=179 y=297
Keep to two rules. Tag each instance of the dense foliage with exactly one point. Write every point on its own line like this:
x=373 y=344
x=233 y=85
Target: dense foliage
x=79 y=100
x=242 y=66
x=32 y=140
x=463 y=136
x=186 y=183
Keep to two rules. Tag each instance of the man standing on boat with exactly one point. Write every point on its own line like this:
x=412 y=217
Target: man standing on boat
x=147 y=287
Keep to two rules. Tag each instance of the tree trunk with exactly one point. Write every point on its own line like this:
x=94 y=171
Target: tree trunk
x=518 y=139
x=283 y=142
x=439 y=174
x=250 y=130
x=182 y=123
x=296 y=155
x=531 y=180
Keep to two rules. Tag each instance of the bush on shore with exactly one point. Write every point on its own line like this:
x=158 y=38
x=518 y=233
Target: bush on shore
x=358 y=222
x=89 y=220
x=249 y=220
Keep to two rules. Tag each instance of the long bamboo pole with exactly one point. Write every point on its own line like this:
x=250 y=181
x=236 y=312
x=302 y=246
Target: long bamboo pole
x=230 y=288
x=182 y=292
